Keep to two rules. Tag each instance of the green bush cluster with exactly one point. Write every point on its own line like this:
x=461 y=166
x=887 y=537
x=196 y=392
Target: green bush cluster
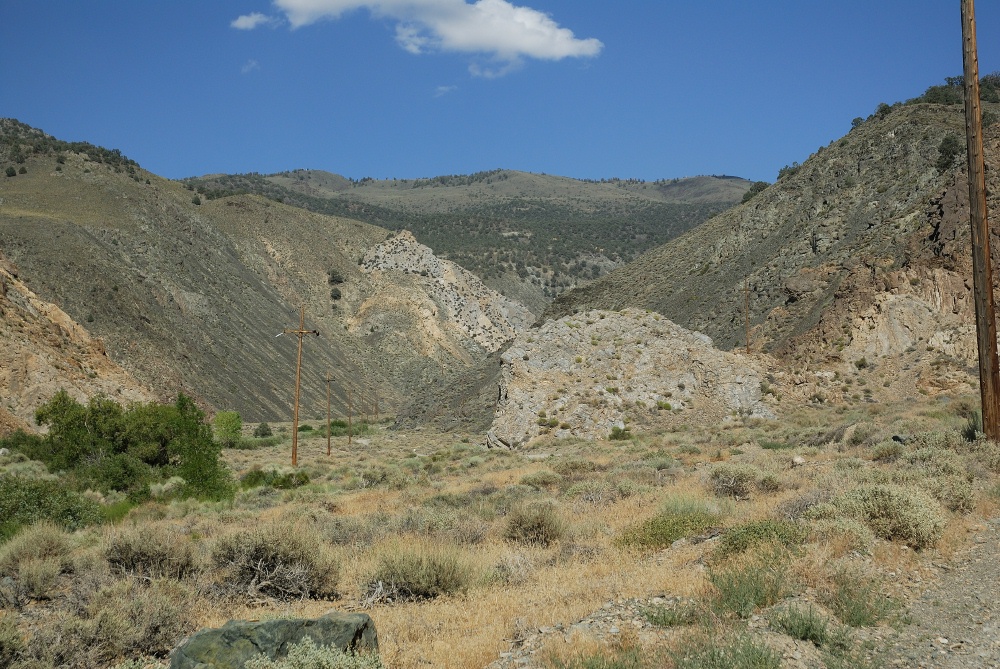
x=25 y=501
x=104 y=446
x=749 y=535
x=678 y=518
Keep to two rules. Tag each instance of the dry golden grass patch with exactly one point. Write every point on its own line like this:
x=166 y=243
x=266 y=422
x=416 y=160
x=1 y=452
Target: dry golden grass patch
x=448 y=499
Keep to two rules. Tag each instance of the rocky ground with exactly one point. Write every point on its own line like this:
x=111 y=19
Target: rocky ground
x=952 y=620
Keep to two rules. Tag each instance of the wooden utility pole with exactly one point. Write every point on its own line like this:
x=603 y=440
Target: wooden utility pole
x=982 y=271
x=301 y=332
x=350 y=412
x=329 y=428
x=746 y=310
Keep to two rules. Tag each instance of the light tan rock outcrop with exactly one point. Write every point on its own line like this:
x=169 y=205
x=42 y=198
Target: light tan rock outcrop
x=586 y=374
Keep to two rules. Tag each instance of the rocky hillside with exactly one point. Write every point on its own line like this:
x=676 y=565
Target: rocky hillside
x=44 y=350
x=485 y=316
x=531 y=236
x=188 y=294
x=859 y=253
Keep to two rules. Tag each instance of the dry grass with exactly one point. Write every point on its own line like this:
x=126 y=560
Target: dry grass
x=445 y=509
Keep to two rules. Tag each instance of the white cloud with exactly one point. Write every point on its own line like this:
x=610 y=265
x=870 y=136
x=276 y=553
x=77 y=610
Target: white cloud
x=250 y=66
x=504 y=32
x=251 y=21
x=444 y=90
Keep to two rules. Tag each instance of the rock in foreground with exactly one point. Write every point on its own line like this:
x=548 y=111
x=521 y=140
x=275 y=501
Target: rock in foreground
x=230 y=646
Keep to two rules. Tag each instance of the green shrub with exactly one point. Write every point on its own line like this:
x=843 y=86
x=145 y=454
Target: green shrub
x=776 y=445
x=749 y=535
x=574 y=468
x=286 y=480
x=284 y=562
x=858 y=600
x=743 y=586
x=887 y=451
x=227 y=427
x=307 y=655
x=340 y=428
x=262 y=430
x=620 y=434
x=677 y=615
x=804 y=625
x=542 y=479
x=679 y=517
x=537 y=523
x=712 y=652
x=894 y=512
x=26 y=501
x=105 y=447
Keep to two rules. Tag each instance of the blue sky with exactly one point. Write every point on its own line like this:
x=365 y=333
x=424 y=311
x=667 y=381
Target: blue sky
x=418 y=88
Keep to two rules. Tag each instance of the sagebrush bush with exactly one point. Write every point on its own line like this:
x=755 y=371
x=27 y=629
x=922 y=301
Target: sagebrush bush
x=279 y=561
x=307 y=655
x=574 y=468
x=851 y=533
x=11 y=642
x=538 y=523
x=122 y=619
x=730 y=479
x=149 y=552
x=283 y=480
x=895 y=513
x=544 y=478
x=887 y=451
x=43 y=541
x=420 y=570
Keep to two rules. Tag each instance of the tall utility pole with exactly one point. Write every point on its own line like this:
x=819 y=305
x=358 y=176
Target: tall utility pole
x=350 y=413
x=982 y=271
x=301 y=332
x=746 y=310
x=329 y=429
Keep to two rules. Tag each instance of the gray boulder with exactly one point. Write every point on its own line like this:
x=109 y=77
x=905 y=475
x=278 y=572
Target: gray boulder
x=230 y=646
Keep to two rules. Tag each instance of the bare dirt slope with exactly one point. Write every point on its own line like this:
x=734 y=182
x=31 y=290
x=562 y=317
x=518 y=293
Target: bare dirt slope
x=43 y=351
